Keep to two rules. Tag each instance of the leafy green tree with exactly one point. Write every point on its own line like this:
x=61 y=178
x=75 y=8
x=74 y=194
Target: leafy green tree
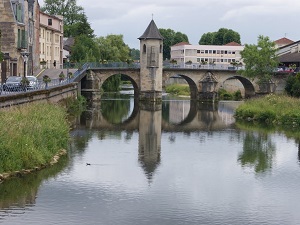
x=135 y=54
x=69 y=9
x=85 y=49
x=292 y=86
x=221 y=37
x=75 y=20
x=79 y=28
x=260 y=60
x=112 y=83
x=171 y=38
x=207 y=38
x=113 y=48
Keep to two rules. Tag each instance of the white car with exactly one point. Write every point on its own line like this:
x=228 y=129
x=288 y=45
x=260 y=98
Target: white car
x=33 y=83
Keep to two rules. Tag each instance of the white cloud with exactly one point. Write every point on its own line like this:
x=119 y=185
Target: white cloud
x=250 y=18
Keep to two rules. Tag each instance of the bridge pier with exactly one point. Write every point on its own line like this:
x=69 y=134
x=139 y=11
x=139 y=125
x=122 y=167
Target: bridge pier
x=208 y=86
x=90 y=87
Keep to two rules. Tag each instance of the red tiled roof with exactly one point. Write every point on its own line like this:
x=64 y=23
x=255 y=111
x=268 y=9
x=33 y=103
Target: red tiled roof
x=232 y=44
x=284 y=41
x=182 y=43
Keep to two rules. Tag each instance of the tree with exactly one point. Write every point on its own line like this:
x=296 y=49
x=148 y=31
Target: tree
x=221 y=37
x=69 y=9
x=260 y=60
x=135 y=54
x=75 y=20
x=113 y=48
x=171 y=38
x=85 y=49
x=79 y=28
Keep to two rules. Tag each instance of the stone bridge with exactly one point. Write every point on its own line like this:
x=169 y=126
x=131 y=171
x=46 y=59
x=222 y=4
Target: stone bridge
x=204 y=83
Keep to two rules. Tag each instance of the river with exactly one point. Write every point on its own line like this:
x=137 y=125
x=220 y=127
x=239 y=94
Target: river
x=180 y=162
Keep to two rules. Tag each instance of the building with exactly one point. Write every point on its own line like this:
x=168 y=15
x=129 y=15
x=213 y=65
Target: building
x=289 y=55
x=17 y=24
x=218 y=55
x=51 y=40
x=282 y=42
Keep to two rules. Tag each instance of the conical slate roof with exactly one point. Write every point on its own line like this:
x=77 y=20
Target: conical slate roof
x=152 y=32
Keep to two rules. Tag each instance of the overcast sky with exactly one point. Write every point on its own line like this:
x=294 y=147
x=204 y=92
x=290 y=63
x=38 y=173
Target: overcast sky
x=250 y=18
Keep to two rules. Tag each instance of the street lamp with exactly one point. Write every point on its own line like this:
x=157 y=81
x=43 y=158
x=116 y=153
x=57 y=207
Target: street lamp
x=68 y=64
x=25 y=58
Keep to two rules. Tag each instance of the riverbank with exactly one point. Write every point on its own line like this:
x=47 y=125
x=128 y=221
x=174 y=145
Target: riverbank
x=271 y=109
x=31 y=137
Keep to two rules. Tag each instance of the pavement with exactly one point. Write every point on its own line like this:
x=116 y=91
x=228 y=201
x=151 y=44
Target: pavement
x=52 y=73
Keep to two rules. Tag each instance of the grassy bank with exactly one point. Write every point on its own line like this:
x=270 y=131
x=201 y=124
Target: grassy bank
x=271 y=109
x=178 y=89
x=31 y=135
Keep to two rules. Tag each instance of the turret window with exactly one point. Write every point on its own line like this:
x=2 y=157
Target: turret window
x=144 y=48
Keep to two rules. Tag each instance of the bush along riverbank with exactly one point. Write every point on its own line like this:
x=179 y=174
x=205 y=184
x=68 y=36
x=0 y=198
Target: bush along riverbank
x=32 y=137
x=178 y=89
x=271 y=109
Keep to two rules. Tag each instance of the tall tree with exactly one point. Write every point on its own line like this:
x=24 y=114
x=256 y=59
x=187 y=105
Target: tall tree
x=260 y=60
x=221 y=37
x=85 y=49
x=113 y=48
x=207 y=38
x=66 y=8
x=171 y=38
x=75 y=20
x=79 y=28
x=135 y=54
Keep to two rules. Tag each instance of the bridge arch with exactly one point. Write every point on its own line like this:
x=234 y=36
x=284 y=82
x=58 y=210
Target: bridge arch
x=192 y=84
x=247 y=84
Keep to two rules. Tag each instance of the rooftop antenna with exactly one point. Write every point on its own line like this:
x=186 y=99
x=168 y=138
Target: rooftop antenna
x=152 y=16
x=285 y=35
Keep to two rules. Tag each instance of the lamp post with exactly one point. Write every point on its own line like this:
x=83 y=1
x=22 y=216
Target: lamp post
x=25 y=58
x=68 y=64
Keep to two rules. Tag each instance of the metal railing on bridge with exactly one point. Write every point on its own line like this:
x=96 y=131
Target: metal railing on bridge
x=41 y=84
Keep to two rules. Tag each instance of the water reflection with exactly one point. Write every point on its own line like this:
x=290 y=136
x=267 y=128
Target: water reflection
x=258 y=152
x=149 y=141
x=151 y=169
x=19 y=194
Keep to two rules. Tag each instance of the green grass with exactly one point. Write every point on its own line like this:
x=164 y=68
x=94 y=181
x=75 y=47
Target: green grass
x=271 y=109
x=178 y=89
x=31 y=135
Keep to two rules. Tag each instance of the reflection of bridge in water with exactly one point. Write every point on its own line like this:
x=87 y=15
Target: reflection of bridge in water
x=193 y=116
x=150 y=124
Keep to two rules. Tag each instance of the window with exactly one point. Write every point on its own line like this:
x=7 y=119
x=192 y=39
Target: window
x=49 y=22
x=214 y=51
x=218 y=51
x=198 y=51
x=210 y=51
x=144 y=48
x=206 y=51
x=202 y=51
x=225 y=52
x=233 y=52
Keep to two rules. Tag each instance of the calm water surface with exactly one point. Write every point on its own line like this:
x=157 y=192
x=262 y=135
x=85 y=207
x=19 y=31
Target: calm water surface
x=182 y=163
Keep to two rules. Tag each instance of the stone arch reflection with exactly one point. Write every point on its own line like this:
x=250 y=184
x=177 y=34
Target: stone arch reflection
x=119 y=111
x=179 y=112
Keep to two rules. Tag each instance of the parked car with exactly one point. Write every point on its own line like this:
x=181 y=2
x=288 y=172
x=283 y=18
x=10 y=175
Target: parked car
x=33 y=83
x=13 y=83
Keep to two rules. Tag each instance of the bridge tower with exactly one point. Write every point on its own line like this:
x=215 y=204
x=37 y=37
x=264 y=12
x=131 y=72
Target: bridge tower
x=151 y=62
